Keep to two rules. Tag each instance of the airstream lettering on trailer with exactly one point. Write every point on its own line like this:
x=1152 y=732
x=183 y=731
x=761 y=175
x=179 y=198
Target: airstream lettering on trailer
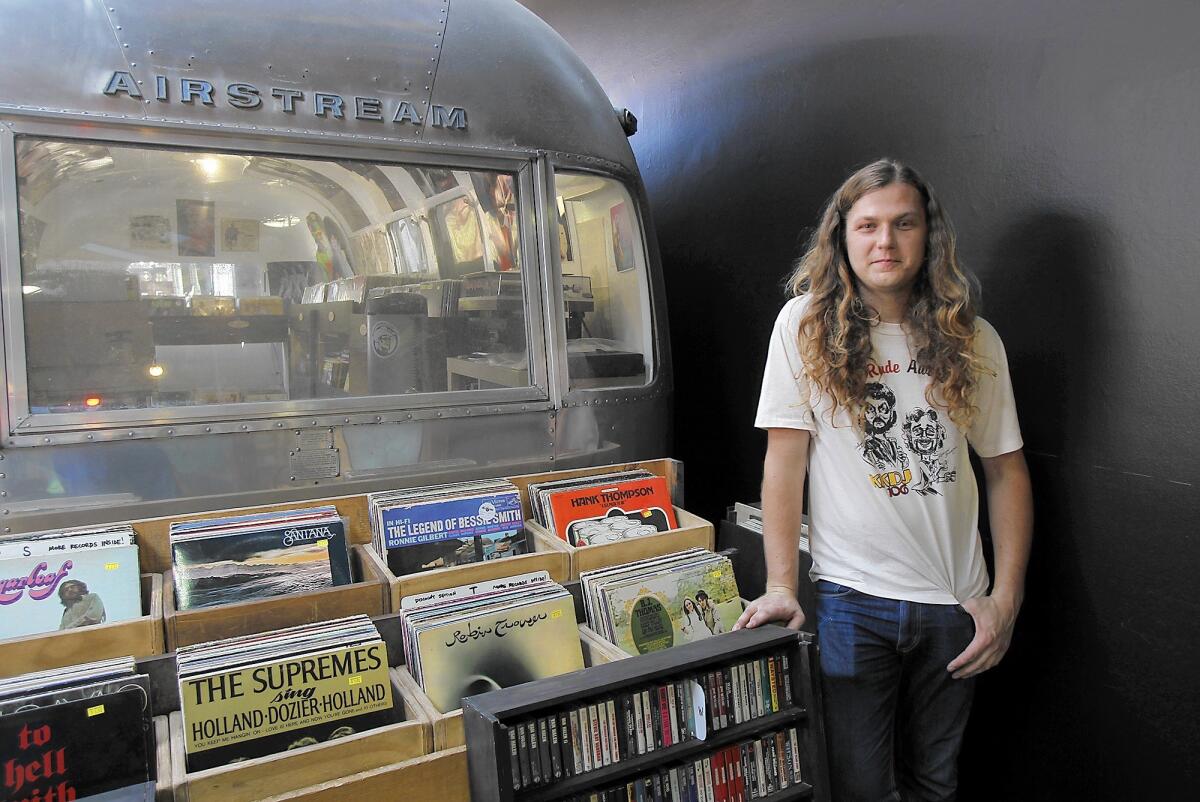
x=248 y=96
x=259 y=255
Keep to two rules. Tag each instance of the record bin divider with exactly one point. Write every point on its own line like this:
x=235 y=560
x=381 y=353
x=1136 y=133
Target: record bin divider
x=441 y=776
x=487 y=716
x=448 y=727
x=382 y=749
x=543 y=557
x=164 y=790
x=366 y=596
x=139 y=637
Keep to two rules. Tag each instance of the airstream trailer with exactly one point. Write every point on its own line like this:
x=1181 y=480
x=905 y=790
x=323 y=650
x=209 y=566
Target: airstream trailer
x=264 y=252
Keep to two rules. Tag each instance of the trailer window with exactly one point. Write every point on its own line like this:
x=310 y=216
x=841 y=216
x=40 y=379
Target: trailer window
x=158 y=277
x=603 y=262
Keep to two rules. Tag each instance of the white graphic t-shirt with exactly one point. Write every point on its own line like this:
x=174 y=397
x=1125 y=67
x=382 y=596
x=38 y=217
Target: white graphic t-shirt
x=894 y=504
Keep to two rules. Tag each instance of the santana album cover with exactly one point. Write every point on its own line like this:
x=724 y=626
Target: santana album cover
x=251 y=564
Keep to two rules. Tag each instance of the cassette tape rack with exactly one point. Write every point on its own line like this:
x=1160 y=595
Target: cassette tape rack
x=491 y=718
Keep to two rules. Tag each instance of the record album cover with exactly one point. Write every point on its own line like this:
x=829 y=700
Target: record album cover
x=246 y=564
x=420 y=535
x=91 y=749
x=497 y=649
x=617 y=511
x=53 y=592
x=274 y=706
x=661 y=610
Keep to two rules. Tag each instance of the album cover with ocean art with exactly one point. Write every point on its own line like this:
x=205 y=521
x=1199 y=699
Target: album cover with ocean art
x=272 y=558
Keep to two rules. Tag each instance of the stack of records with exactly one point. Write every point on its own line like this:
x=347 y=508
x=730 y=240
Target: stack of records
x=478 y=638
x=247 y=557
x=433 y=527
x=68 y=579
x=260 y=694
x=657 y=603
x=441 y=297
x=606 y=508
x=313 y=294
x=82 y=733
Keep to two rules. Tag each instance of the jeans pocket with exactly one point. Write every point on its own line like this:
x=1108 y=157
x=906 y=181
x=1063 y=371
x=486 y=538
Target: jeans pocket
x=832 y=590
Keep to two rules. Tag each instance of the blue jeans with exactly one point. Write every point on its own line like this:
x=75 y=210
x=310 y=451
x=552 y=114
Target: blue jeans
x=894 y=717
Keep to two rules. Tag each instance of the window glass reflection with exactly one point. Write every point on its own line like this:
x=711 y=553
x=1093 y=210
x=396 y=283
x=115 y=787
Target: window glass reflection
x=604 y=283
x=158 y=277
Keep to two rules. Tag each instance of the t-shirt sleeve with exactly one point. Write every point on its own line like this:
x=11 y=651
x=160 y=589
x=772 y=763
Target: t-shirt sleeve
x=785 y=398
x=995 y=430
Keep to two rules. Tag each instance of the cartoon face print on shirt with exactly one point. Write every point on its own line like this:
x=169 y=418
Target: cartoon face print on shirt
x=925 y=437
x=881 y=451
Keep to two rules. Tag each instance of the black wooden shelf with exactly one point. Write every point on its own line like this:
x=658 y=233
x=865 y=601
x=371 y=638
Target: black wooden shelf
x=643 y=764
x=488 y=718
x=798 y=791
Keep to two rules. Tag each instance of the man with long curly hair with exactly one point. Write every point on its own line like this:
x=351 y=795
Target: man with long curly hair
x=883 y=328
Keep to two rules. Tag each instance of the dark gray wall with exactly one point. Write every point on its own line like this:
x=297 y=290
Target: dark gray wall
x=1062 y=138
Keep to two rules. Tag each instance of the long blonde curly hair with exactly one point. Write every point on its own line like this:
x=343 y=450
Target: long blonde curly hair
x=835 y=329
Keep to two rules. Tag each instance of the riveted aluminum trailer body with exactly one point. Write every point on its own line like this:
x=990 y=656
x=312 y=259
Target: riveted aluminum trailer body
x=188 y=193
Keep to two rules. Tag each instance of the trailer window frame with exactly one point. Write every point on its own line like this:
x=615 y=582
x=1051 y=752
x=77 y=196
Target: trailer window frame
x=24 y=427
x=657 y=380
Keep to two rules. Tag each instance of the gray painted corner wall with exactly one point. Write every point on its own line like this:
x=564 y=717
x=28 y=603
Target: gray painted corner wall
x=1061 y=137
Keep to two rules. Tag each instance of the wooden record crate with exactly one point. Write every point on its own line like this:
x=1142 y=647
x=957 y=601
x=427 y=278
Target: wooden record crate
x=440 y=776
x=448 y=727
x=617 y=653
x=137 y=637
x=692 y=531
x=297 y=769
x=542 y=557
x=164 y=790
x=368 y=595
